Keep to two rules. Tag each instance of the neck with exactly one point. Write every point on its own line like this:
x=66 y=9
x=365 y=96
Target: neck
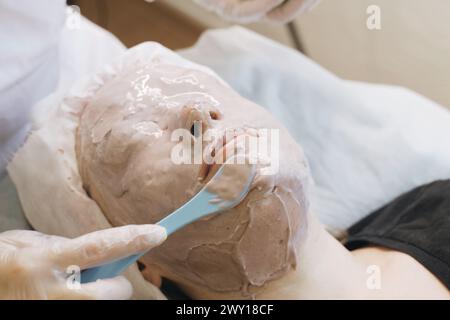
x=326 y=270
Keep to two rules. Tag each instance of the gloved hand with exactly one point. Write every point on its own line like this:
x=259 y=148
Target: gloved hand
x=38 y=266
x=246 y=11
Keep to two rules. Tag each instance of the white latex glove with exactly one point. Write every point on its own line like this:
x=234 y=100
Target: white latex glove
x=246 y=11
x=34 y=265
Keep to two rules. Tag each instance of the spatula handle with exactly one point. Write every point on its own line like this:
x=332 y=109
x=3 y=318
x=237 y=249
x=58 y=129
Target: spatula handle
x=117 y=267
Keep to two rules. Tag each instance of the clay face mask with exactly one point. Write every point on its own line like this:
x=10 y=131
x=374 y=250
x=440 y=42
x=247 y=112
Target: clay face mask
x=124 y=144
x=231 y=183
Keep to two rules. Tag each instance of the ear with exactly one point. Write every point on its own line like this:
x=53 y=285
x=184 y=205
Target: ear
x=150 y=273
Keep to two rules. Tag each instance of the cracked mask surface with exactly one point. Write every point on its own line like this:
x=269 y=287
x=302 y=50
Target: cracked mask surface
x=124 y=146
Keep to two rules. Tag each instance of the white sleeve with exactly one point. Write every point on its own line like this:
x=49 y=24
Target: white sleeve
x=29 y=33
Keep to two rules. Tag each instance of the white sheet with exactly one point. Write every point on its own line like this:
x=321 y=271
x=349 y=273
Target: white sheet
x=366 y=144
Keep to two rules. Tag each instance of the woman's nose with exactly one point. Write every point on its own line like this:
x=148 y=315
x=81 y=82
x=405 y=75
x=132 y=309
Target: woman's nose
x=201 y=114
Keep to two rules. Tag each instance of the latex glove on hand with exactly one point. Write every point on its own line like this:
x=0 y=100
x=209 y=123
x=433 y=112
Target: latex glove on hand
x=247 y=11
x=38 y=266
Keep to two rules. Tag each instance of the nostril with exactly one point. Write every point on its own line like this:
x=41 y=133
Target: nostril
x=214 y=115
x=141 y=266
x=198 y=127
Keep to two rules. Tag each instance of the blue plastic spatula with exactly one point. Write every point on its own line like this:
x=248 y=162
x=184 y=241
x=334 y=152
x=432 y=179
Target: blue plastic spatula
x=201 y=205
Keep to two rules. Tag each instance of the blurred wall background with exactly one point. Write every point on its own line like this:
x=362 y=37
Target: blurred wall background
x=411 y=49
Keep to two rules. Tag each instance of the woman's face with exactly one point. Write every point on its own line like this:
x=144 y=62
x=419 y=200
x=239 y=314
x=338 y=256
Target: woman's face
x=133 y=145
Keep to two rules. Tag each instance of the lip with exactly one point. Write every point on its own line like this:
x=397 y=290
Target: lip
x=207 y=171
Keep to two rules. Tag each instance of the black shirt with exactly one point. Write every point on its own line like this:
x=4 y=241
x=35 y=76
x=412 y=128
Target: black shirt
x=416 y=223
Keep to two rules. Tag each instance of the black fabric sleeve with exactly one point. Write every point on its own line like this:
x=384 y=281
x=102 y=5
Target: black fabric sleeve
x=416 y=223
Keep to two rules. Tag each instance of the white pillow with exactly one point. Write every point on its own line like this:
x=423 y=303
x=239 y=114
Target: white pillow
x=366 y=144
